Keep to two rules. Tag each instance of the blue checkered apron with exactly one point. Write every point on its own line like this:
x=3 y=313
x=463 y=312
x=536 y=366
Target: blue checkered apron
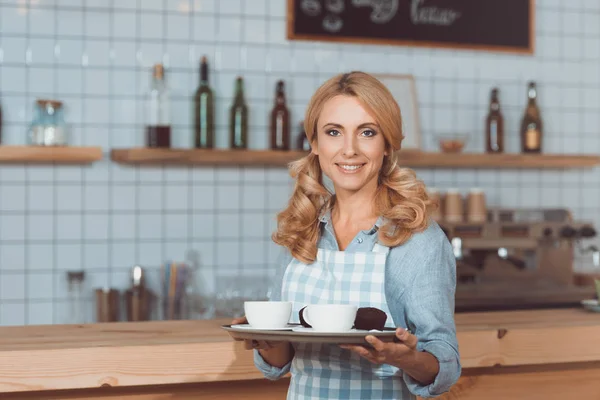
x=323 y=371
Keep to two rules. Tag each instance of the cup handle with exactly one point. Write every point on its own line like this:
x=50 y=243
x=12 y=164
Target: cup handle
x=305 y=315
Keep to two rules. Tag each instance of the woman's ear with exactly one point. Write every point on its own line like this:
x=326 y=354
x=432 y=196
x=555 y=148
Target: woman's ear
x=313 y=147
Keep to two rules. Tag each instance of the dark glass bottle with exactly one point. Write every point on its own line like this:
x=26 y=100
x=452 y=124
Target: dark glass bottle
x=280 y=121
x=238 y=118
x=158 y=124
x=204 y=127
x=531 y=124
x=301 y=140
x=494 y=126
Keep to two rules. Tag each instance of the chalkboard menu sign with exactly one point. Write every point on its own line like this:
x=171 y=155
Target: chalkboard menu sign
x=493 y=25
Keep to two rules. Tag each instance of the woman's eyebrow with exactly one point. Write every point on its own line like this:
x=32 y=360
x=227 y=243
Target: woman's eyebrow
x=365 y=125
x=368 y=125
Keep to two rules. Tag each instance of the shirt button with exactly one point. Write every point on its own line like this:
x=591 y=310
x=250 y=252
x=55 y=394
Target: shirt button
x=359 y=240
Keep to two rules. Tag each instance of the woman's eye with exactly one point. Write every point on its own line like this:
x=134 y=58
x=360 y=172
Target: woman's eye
x=333 y=132
x=368 y=133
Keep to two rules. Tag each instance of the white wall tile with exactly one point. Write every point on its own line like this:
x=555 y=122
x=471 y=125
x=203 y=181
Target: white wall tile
x=40 y=313
x=12 y=227
x=69 y=228
x=12 y=286
x=13 y=20
x=152 y=26
x=95 y=227
x=71 y=22
x=12 y=314
x=204 y=226
x=13 y=49
x=12 y=257
x=150 y=226
x=41 y=21
x=150 y=198
x=97 y=24
x=229 y=29
x=40 y=286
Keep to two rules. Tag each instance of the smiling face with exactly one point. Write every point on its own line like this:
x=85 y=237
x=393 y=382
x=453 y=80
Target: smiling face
x=350 y=145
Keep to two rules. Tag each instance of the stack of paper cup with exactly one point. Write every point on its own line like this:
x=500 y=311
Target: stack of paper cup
x=476 y=208
x=453 y=206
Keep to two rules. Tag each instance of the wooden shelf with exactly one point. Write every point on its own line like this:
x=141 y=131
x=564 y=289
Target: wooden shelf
x=49 y=154
x=408 y=158
x=205 y=157
x=506 y=161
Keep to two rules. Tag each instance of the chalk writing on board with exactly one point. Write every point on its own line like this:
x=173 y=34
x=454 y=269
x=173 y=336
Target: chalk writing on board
x=420 y=14
x=383 y=10
x=311 y=8
x=332 y=23
x=334 y=6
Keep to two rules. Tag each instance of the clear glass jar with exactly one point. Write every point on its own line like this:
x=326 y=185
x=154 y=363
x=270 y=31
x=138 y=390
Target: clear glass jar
x=48 y=127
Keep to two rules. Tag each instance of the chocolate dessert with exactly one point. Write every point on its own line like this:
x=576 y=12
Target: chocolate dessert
x=302 y=321
x=368 y=318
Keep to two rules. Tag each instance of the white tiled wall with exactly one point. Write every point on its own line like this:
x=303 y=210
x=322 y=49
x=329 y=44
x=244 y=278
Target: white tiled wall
x=96 y=55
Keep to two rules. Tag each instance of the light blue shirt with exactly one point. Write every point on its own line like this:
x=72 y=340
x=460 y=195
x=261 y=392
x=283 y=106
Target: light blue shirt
x=420 y=283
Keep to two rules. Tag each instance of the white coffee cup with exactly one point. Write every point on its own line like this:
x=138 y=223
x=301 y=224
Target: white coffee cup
x=268 y=314
x=330 y=317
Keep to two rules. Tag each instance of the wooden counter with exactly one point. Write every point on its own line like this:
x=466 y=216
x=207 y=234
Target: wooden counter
x=541 y=353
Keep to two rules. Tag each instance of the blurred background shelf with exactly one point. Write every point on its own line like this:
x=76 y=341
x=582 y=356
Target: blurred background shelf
x=506 y=160
x=409 y=158
x=49 y=154
x=214 y=157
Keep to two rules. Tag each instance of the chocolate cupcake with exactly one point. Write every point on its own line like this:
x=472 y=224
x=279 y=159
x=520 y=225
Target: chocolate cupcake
x=302 y=321
x=369 y=318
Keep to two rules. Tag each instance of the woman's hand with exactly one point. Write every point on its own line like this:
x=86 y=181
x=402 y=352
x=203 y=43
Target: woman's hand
x=253 y=344
x=420 y=365
x=276 y=354
x=393 y=353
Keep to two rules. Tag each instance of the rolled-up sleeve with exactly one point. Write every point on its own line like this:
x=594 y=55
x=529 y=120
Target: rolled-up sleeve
x=429 y=312
x=270 y=372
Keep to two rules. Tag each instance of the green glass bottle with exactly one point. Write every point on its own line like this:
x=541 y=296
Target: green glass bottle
x=204 y=125
x=238 y=118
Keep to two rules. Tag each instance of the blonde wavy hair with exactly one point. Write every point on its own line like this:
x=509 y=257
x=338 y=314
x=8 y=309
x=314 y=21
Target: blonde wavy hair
x=401 y=198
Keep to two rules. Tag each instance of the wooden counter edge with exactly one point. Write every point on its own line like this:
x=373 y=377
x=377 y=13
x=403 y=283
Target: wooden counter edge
x=220 y=360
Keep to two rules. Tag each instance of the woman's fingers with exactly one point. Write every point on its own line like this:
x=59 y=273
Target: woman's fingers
x=407 y=338
x=240 y=320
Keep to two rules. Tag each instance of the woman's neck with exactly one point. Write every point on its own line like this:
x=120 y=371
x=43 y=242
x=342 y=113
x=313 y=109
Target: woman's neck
x=354 y=209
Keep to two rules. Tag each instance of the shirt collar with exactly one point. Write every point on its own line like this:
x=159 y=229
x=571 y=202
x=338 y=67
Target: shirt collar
x=325 y=219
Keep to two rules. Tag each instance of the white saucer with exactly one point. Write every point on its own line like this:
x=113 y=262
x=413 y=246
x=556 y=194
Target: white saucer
x=302 y=329
x=252 y=328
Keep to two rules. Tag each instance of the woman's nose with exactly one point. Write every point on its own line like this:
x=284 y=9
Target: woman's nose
x=350 y=144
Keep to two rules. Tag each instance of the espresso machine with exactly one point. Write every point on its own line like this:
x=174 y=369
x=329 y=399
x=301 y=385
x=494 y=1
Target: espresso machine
x=521 y=259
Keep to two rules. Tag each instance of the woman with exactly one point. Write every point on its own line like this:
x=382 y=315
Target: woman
x=370 y=244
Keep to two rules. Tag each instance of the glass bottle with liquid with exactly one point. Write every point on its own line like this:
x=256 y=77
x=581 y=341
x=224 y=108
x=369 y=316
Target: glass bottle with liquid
x=280 y=121
x=238 y=118
x=158 y=124
x=302 y=142
x=494 y=126
x=204 y=111
x=531 y=124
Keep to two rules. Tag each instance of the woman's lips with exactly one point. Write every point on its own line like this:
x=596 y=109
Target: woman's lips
x=349 y=168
